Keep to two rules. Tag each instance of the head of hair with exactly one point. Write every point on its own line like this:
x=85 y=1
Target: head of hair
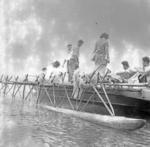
x=146 y=59
x=104 y=35
x=80 y=41
x=125 y=63
x=56 y=64
x=44 y=69
x=69 y=45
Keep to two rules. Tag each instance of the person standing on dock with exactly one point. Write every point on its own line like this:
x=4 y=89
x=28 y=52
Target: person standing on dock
x=74 y=60
x=101 y=55
x=67 y=61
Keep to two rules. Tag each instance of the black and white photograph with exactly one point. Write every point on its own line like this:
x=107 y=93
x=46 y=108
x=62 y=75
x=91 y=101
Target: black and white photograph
x=75 y=73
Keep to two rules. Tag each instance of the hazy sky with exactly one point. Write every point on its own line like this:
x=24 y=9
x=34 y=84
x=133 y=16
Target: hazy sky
x=35 y=32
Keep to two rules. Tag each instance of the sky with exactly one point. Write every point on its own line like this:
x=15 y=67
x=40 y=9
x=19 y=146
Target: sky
x=34 y=33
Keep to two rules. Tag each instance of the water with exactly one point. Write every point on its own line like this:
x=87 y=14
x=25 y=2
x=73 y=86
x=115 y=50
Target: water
x=26 y=126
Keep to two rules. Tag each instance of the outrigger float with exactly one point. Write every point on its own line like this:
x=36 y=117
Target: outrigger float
x=103 y=104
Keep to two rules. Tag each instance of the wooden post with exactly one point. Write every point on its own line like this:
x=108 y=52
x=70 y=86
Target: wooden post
x=38 y=96
x=24 y=87
x=16 y=79
x=48 y=95
x=68 y=98
x=106 y=106
x=5 y=85
x=83 y=107
x=54 y=95
x=29 y=93
x=112 y=109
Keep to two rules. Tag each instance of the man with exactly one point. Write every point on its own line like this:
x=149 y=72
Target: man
x=101 y=55
x=69 y=53
x=127 y=73
x=74 y=60
x=145 y=76
x=67 y=61
x=43 y=74
x=125 y=65
x=56 y=75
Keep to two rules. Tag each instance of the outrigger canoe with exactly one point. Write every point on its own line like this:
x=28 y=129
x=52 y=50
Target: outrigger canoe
x=108 y=104
x=104 y=104
x=126 y=99
x=116 y=122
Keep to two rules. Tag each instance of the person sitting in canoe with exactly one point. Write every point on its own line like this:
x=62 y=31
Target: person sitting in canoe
x=74 y=60
x=101 y=55
x=42 y=74
x=142 y=75
x=57 y=75
x=67 y=61
x=127 y=73
x=145 y=75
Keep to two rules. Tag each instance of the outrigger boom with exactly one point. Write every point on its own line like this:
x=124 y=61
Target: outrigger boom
x=58 y=97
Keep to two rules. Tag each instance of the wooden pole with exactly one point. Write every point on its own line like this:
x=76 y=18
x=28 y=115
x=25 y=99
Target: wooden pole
x=24 y=87
x=48 y=96
x=54 y=95
x=29 y=93
x=68 y=98
x=112 y=109
x=5 y=85
x=38 y=96
x=100 y=97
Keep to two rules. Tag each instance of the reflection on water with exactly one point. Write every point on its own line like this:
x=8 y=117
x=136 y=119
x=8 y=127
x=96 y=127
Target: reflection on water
x=27 y=126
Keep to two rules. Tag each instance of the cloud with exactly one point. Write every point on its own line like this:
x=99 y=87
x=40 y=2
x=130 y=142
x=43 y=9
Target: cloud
x=43 y=27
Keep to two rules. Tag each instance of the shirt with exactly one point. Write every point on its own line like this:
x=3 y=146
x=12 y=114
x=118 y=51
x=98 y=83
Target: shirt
x=69 y=55
x=147 y=69
x=101 y=48
x=75 y=51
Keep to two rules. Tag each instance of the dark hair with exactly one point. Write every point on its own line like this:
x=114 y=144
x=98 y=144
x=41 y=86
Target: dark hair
x=104 y=35
x=146 y=59
x=44 y=69
x=69 y=45
x=125 y=63
x=56 y=64
x=80 y=41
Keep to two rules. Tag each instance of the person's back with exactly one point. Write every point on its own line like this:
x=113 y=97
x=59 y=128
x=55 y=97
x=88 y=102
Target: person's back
x=100 y=47
x=75 y=51
x=74 y=60
x=101 y=54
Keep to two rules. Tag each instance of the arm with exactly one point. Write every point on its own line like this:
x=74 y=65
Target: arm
x=146 y=73
x=64 y=62
x=107 y=52
x=95 y=48
x=94 y=52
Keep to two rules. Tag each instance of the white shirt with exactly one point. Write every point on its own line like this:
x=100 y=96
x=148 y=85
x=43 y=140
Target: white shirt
x=147 y=69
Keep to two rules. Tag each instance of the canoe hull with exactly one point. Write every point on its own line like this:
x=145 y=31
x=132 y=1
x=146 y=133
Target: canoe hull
x=115 y=122
x=60 y=96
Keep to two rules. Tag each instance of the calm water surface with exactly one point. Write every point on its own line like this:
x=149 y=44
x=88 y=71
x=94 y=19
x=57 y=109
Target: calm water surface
x=26 y=126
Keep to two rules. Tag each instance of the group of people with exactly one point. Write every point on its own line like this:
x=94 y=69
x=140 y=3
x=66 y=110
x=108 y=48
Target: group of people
x=101 y=59
x=72 y=60
x=140 y=75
